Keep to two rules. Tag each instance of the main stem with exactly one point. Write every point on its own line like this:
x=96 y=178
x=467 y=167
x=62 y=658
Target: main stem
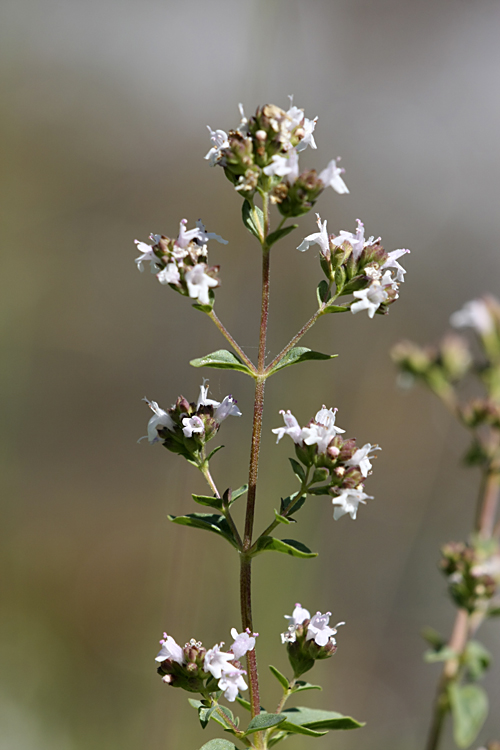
x=245 y=558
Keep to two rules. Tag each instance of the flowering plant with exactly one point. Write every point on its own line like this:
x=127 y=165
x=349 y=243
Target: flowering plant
x=261 y=160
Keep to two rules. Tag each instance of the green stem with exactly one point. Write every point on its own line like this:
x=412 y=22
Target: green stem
x=237 y=348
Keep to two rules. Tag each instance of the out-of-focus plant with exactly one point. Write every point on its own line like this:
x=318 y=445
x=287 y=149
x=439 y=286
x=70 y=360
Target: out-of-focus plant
x=261 y=160
x=472 y=567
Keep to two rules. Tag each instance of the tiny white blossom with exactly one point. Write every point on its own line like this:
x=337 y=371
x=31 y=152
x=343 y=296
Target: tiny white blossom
x=219 y=141
x=362 y=457
x=331 y=177
x=232 y=682
x=161 y=419
x=284 y=166
x=322 y=431
x=297 y=118
x=348 y=502
x=192 y=424
x=203 y=400
x=391 y=262
x=371 y=298
x=320 y=238
x=170 y=650
x=169 y=275
x=489 y=567
x=474 y=314
x=319 y=630
x=243 y=642
x=228 y=408
x=147 y=255
x=204 y=236
x=298 y=616
x=357 y=241
x=217 y=661
x=243 y=126
x=198 y=283
x=291 y=428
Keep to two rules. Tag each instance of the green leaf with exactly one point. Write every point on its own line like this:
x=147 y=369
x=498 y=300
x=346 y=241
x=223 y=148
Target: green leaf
x=469 y=707
x=292 y=728
x=219 y=720
x=208 y=522
x=317 y=720
x=287 y=501
x=221 y=360
x=264 y=721
x=195 y=703
x=204 y=714
x=323 y=292
x=443 y=654
x=323 y=490
x=287 y=546
x=433 y=638
x=253 y=220
x=331 y=308
x=297 y=469
x=215 y=450
x=218 y=744
x=211 y=502
x=283 y=519
x=301 y=685
x=296 y=355
x=477 y=659
x=239 y=492
x=279 y=234
x=245 y=704
x=280 y=677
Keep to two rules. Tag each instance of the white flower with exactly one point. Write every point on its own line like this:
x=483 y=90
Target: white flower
x=228 y=408
x=204 y=236
x=199 y=235
x=319 y=238
x=217 y=661
x=243 y=126
x=169 y=275
x=297 y=118
x=170 y=650
x=192 y=424
x=331 y=177
x=319 y=630
x=161 y=419
x=219 y=141
x=291 y=428
x=474 y=314
x=362 y=457
x=284 y=166
x=489 y=567
x=357 y=241
x=322 y=430
x=231 y=682
x=298 y=616
x=370 y=299
x=243 y=642
x=348 y=502
x=147 y=255
x=392 y=263
x=202 y=398
x=198 y=283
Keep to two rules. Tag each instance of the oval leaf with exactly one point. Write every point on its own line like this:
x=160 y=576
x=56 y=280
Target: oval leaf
x=218 y=745
x=211 y=502
x=301 y=685
x=323 y=292
x=287 y=546
x=292 y=728
x=264 y=721
x=316 y=719
x=208 y=522
x=280 y=677
x=331 y=308
x=221 y=360
x=299 y=354
x=279 y=234
x=253 y=219
x=469 y=707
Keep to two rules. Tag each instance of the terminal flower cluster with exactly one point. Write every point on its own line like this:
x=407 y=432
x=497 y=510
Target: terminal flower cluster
x=182 y=263
x=339 y=462
x=308 y=638
x=196 y=669
x=473 y=573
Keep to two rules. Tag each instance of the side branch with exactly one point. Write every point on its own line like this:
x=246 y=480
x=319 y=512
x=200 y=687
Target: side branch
x=237 y=348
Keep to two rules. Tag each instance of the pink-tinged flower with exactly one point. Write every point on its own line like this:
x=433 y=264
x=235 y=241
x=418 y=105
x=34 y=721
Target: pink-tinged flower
x=228 y=408
x=298 y=616
x=217 y=661
x=319 y=630
x=243 y=642
x=319 y=238
x=161 y=419
x=291 y=428
x=284 y=166
x=192 y=425
x=357 y=241
x=362 y=457
x=331 y=177
x=170 y=650
x=348 y=502
x=219 y=140
x=231 y=683
x=147 y=255
x=198 y=283
x=474 y=314
x=169 y=275
x=392 y=262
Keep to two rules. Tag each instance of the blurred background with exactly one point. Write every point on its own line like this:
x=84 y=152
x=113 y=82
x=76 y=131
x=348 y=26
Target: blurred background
x=105 y=107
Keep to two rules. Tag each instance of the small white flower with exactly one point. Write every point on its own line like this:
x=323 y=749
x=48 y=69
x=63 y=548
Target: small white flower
x=319 y=238
x=228 y=408
x=147 y=254
x=169 y=275
x=474 y=314
x=232 y=682
x=198 y=283
x=371 y=298
x=322 y=431
x=489 y=567
x=297 y=118
x=243 y=126
x=392 y=263
x=170 y=650
x=298 y=616
x=202 y=398
x=204 y=236
x=319 y=630
x=331 y=177
x=199 y=235
x=217 y=661
x=219 y=141
x=284 y=166
x=192 y=424
x=348 y=502
x=161 y=419
x=291 y=428
x=243 y=642
x=362 y=457
x=357 y=241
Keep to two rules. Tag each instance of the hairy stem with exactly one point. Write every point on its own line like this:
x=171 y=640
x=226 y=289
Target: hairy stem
x=237 y=348
x=305 y=328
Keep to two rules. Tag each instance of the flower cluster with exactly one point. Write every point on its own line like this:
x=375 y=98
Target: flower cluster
x=359 y=267
x=198 y=670
x=339 y=462
x=473 y=573
x=308 y=638
x=186 y=427
x=182 y=263
x=263 y=153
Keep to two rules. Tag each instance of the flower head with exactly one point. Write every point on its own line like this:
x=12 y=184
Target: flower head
x=348 y=501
